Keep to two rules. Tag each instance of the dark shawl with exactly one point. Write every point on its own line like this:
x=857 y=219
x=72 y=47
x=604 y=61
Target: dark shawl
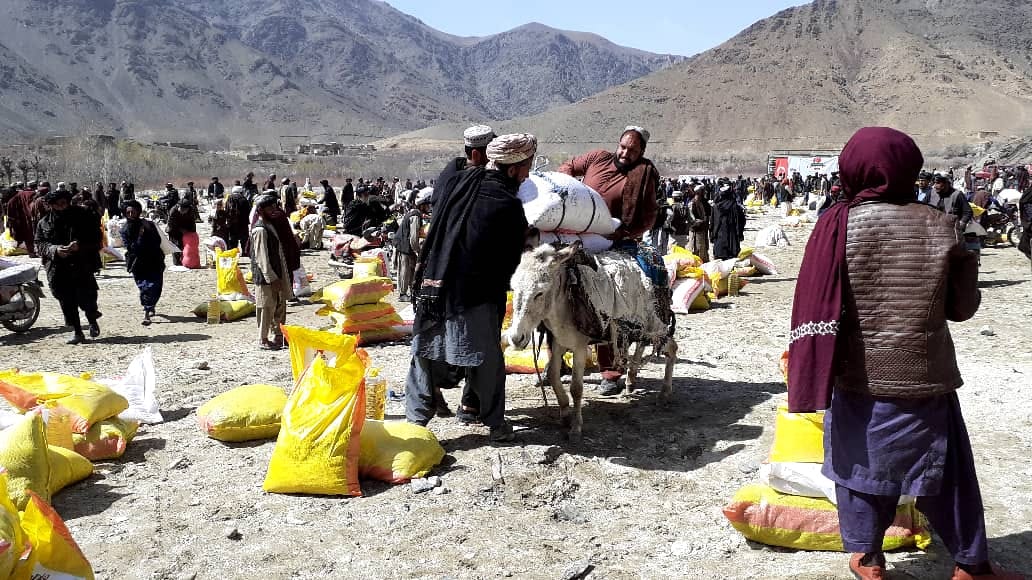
x=878 y=164
x=727 y=226
x=285 y=232
x=144 y=257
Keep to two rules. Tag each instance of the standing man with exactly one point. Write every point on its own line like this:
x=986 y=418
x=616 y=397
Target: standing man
x=627 y=182
x=700 y=213
x=475 y=140
x=470 y=254
x=924 y=189
x=215 y=189
x=347 y=193
x=19 y=219
x=894 y=424
x=238 y=216
x=68 y=239
x=331 y=206
x=114 y=208
x=407 y=240
x=288 y=193
x=272 y=276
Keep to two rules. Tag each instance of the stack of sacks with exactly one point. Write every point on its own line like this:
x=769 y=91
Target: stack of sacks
x=794 y=505
x=235 y=300
x=109 y=252
x=520 y=362
x=356 y=307
x=690 y=285
x=8 y=246
x=565 y=210
x=752 y=263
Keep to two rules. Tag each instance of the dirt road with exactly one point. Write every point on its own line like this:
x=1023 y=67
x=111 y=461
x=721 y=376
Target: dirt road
x=640 y=497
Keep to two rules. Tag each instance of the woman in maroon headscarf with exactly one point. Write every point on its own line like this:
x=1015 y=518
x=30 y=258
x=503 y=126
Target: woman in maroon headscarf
x=875 y=349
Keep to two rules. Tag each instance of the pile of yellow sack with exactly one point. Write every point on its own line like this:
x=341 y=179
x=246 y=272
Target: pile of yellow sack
x=8 y=245
x=234 y=299
x=793 y=506
x=65 y=423
x=357 y=307
x=696 y=285
x=324 y=440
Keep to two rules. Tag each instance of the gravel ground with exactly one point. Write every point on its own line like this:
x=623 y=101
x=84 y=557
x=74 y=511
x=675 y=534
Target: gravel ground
x=640 y=497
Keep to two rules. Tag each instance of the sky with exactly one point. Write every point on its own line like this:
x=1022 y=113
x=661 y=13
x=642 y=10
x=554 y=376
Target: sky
x=683 y=27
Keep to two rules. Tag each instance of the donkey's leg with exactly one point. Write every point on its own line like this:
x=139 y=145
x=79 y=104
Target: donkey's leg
x=577 y=391
x=634 y=366
x=554 y=367
x=668 y=378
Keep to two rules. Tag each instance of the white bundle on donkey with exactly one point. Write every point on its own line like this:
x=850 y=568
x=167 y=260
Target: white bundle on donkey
x=565 y=210
x=581 y=299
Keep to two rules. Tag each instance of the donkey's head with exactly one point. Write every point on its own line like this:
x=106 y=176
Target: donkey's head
x=537 y=288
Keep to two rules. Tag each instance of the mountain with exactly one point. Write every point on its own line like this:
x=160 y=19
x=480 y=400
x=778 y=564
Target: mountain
x=251 y=70
x=944 y=70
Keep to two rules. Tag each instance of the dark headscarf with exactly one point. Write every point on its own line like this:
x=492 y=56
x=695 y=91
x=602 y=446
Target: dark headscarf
x=878 y=164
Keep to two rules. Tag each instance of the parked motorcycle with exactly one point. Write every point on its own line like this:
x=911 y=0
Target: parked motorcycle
x=1002 y=226
x=21 y=294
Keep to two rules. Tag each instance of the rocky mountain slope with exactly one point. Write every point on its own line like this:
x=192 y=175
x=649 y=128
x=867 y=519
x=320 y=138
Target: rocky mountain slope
x=944 y=70
x=250 y=70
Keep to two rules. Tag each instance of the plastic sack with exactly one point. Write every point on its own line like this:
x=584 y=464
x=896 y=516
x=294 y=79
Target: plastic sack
x=85 y=401
x=58 y=427
x=230 y=310
x=25 y=456
x=593 y=243
x=370 y=267
x=247 y=413
x=383 y=323
x=12 y=539
x=798 y=437
x=397 y=451
x=106 y=440
x=54 y=554
x=763 y=264
x=686 y=292
x=306 y=344
x=139 y=386
x=380 y=335
x=166 y=244
x=318 y=446
x=360 y=313
x=521 y=362
x=66 y=467
x=347 y=293
x=556 y=202
x=772 y=236
x=763 y=515
x=300 y=284
x=191 y=250
x=231 y=284
x=8 y=246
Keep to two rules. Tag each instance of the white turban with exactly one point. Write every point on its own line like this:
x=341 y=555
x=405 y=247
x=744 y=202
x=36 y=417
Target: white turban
x=511 y=149
x=478 y=136
x=645 y=135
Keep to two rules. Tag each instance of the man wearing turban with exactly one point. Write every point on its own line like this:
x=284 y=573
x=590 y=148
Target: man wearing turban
x=628 y=182
x=471 y=252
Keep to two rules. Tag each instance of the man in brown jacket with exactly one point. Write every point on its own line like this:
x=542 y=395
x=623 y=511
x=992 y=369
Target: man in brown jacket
x=628 y=182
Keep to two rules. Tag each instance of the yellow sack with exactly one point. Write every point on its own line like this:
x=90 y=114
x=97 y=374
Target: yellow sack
x=774 y=201
x=231 y=284
x=54 y=553
x=507 y=319
x=380 y=335
x=245 y=413
x=521 y=362
x=358 y=313
x=763 y=515
x=12 y=539
x=347 y=293
x=347 y=327
x=86 y=402
x=106 y=440
x=318 y=446
x=229 y=310
x=745 y=253
x=306 y=343
x=59 y=430
x=24 y=454
x=369 y=267
x=798 y=437
x=685 y=260
x=397 y=451
x=67 y=467
x=8 y=246
x=976 y=210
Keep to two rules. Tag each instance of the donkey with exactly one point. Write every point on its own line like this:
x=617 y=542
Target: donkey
x=546 y=285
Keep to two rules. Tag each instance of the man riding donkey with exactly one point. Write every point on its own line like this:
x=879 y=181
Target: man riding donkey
x=627 y=181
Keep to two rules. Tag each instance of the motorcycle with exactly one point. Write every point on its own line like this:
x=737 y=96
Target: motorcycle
x=20 y=297
x=1002 y=226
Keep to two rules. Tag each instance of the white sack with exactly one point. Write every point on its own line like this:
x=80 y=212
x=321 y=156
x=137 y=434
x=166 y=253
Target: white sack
x=593 y=243
x=555 y=201
x=772 y=236
x=139 y=387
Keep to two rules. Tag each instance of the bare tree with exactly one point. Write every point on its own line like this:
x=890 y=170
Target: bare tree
x=24 y=167
x=39 y=168
x=7 y=166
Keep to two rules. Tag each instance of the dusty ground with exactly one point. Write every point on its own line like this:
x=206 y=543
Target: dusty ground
x=640 y=497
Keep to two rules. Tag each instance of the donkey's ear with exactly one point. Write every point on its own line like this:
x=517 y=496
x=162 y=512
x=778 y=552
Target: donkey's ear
x=569 y=251
x=532 y=239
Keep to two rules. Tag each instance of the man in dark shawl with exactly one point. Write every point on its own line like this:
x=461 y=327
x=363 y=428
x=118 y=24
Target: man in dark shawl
x=894 y=425
x=470 y=254
x=727 y=226
x=111 y=198
x=180 y=222
x=347 y=193
x=238 y=218
x=144 y=258
x=475 y=139
x=331 y=206
x=68 y=239
x=356 y=214
x=627 y=181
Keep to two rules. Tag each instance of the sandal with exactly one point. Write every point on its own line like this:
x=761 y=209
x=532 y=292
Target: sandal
x=467 y=416
x=502 y=434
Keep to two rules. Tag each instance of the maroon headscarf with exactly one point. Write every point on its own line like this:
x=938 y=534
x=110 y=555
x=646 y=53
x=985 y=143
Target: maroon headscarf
x=878 y=164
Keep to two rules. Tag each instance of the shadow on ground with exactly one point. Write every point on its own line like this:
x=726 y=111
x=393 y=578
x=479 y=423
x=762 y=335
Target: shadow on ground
x=685 y=434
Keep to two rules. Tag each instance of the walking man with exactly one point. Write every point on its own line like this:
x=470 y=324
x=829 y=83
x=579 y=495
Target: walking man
x=272 y=276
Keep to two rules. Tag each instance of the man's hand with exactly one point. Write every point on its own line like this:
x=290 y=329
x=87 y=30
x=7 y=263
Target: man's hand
x=73 y=248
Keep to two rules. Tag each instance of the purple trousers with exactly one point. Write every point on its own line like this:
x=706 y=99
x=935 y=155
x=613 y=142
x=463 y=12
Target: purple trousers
x=956 y=512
